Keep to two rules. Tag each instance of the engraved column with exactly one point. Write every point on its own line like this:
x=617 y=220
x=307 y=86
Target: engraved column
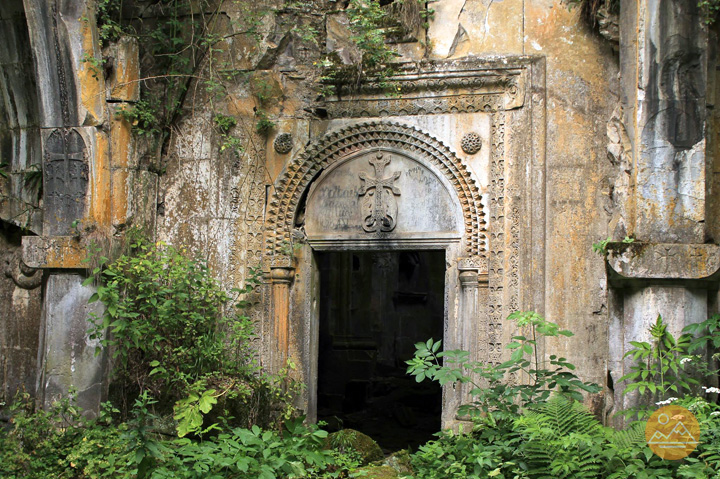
x=280 y=279
x=468 y=322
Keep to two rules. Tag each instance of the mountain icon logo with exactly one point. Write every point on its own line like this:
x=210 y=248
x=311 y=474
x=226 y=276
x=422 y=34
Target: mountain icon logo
x=672 y=432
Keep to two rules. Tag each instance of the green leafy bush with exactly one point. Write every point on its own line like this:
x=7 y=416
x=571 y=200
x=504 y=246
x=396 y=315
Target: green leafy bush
x=670 y=365
x=493 y=395
x=163 y=312
x=165 y=327
x=294 y=453
x=61 y=443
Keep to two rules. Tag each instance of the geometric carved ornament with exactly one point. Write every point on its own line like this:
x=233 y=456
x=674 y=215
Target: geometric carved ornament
x=65 y=181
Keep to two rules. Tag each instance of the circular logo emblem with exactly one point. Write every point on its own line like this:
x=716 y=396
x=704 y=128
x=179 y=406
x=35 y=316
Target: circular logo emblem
x=672 y=432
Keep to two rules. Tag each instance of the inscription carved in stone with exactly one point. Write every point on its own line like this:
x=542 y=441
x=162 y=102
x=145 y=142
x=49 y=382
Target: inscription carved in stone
x=380 y=207
x=65 y=172
x=335 y=146
x=664 y=260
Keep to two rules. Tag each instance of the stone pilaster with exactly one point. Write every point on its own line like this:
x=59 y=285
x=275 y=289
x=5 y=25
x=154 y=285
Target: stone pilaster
x=668 y=271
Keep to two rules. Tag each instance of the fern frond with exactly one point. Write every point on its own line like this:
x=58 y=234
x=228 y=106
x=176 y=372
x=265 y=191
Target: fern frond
x=630 y=438
x=561 y=439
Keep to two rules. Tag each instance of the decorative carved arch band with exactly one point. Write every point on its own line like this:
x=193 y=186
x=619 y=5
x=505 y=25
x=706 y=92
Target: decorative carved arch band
x=336 y=145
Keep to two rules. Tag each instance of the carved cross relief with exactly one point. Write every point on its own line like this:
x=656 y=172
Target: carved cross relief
x=65 y=172
x=380 y=207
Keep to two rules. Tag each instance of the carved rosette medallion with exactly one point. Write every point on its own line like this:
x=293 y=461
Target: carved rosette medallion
x=380 y=207
x=283 y=143
x=471 y=143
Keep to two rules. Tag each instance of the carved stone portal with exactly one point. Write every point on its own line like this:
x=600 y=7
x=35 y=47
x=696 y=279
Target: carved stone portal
x=380 y=208
x=326 y=200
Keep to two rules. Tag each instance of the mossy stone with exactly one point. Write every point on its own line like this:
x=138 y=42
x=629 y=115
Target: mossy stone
x=375 y=472
x=350 y=440
x=400 y=461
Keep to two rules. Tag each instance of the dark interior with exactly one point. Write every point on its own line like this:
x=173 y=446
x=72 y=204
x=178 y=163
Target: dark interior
x=374 y=307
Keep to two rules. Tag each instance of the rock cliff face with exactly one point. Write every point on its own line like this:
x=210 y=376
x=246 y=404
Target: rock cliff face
x=509 y=135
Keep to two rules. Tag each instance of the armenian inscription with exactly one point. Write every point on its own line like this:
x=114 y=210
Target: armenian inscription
x=376 y=195
x=380 y=207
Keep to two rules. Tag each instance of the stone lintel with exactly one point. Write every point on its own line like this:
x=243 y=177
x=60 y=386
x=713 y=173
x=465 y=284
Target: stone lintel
x=663 y=261
x=61 y=252
x=438 y=87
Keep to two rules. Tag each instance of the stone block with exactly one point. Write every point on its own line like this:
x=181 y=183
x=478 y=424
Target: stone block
x=124 y=154
x=144 y=200
x=89 y=68
x=123 y=82
x=267 y=89
x=65 y=252
x=122 y=184
x=663 y=261
x=67 y=355
x=100 y=182
x=338 y=39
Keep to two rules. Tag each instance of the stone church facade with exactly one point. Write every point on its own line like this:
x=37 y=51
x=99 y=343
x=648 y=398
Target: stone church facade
x=517 y=137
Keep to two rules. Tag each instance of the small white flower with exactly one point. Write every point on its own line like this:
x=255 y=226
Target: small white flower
x=665 y=402
x=711 y=390
x=715 y=413
x=685 y=360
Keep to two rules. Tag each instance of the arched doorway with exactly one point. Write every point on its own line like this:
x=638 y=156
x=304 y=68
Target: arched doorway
x=367 y=190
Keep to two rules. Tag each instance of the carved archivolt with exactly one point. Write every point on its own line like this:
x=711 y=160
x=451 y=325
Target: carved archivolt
x=336 y=145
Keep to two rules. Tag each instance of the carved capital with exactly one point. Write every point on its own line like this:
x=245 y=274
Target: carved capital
x=64 y=252
x=469 y=279
x=282 y=275
x=476 y=263
x=282 y=261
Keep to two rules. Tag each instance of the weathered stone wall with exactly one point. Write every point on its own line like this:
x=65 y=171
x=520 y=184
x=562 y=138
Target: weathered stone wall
x=21 y=300
x=71 y=177
x=578 y=138
x=217 y=203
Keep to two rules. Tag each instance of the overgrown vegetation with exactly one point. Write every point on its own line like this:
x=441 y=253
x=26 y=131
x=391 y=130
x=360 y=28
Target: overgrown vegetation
x=533 y=379
x=372 y=24
x=533 y=434
x=534 y=428
x=165 y=326
x=185 y=50
x=710 y=10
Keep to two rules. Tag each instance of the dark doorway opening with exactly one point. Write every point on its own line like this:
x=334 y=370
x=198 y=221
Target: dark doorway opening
x=374 y=307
